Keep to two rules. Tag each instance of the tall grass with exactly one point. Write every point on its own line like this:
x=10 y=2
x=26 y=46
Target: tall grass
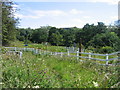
x=44 y=71
x=39 y=46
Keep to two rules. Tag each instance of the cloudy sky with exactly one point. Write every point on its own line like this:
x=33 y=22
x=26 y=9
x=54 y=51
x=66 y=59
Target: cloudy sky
x=65 y=13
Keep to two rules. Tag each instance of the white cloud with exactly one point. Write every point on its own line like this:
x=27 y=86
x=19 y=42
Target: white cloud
x=18 y=15
x=49 y=13
x=26 y=16
x=105 y=1
x=75 y=11
x=86 y=17
x=114 y=17
x=16 y=6
x=77 y=20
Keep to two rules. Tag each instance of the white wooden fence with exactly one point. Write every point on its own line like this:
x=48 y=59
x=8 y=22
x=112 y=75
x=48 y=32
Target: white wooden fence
x=85 y=55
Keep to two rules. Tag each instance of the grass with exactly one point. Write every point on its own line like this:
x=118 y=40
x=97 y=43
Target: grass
x=45 y=71
x=60 y=49
x=39 y=46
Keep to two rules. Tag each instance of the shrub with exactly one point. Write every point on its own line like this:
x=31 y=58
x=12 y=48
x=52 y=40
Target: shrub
x=106 y=49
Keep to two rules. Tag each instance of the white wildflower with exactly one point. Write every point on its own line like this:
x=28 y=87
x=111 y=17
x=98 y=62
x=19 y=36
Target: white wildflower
x=106 y=75
x=95 y=84
x=36 y=87
x=1 y=83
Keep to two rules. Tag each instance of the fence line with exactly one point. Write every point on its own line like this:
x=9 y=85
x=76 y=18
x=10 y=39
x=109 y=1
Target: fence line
x=70 y=54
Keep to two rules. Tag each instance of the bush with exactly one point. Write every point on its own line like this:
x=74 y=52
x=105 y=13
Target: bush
x=106 y=49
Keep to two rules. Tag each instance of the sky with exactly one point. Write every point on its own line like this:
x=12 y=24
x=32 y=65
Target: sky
x=69 y=13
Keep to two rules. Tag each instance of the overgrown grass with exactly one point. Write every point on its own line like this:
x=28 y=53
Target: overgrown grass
x=39 y=46
x=48 y=47
x=45 y=71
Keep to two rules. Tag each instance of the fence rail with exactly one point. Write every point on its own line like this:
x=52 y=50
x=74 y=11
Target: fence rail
x=90 y=56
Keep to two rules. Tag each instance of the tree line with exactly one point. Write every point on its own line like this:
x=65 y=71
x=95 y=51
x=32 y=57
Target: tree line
x=97 y=38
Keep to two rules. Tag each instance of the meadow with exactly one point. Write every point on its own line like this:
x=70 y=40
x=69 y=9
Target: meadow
x=45 y=71
x=42 y=46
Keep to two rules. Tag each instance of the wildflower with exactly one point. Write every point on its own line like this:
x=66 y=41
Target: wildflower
x=106 y=75
x=36 y=87
x=95 y=84
x=1 y=83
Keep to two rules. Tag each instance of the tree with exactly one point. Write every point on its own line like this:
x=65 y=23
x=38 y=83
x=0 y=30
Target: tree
x=100 y=28
x=69 y=37
x=24 y=34
x=105 y=39
x=117 y=24
x=9 y=23
x=87 y=33
x=39 y=36
x=56 y=38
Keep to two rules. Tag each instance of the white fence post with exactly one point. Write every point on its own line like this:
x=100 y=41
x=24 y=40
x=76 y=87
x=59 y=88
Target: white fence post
x=24 y=48
x=73 y=49
x=36 y=51
x=77 y=55
x=15 y=49
x=20 y=55
x=89 y=56
x=55 y=53
x=61 y=54
x=107 y=59
x=68 y=53
x=51 y=53
x=39 y=51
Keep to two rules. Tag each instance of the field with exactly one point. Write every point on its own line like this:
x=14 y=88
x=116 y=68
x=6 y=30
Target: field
x=40 y=46
x=45 y=71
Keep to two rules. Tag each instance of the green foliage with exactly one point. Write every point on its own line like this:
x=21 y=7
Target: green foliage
x=39 y=35
x=48 y=47
x=56 y=38
x=24 y=34
x=3 y=50
x=69 y=37
x=106 y=49
x=105 y=39
x=35 y=71
x=8 y=23
x=97 y=36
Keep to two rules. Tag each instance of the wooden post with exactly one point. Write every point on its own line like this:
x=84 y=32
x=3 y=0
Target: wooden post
x=118 y=57
x=80 y=47
x=106 y=59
